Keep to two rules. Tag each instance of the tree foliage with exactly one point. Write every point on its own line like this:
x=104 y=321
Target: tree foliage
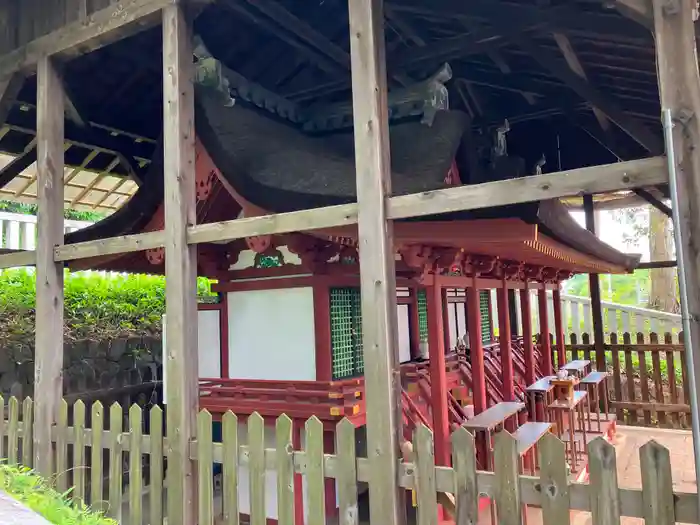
x=31 y=209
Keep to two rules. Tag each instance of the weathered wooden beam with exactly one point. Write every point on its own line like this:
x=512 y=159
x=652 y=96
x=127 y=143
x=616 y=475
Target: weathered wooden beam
x=18 y=164
x=654 y=201
x=10 y=87
x=180 y=262
x=83 y=36
x=377 y=271
x=594 y=287
x=598 y=179
x=16 y=258
x=48 y=364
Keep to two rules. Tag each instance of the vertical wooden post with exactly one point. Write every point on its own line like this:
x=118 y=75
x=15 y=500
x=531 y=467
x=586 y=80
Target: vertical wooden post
x=438 y=376
x=322 y=331
x=414 y=324
x=559 y=326
x=504 y=336
x=476 y=349
x=594 y=286
x=180 y=263
x=679 y=89
x=545 y=342
x=377 y=268
x=526 y=314
x=48 y=378
x=445 y=309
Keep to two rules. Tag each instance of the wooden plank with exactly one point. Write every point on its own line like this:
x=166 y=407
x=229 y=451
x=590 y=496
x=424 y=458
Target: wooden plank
x=425 y=476
x=377 y=265
x=79 y=463
x=116 y=466
x=346 y=482
x=27 y=423
x=256 y=468
x=315 y=501
x=180 y=262
x=604 y=497
x=83 y=36
x=651 y=406
x=13 y=433
x=284 y=462
x=658 y=379
x=156 y=470
x=508 y=505
x=62 y=447
x=205 y=467
x=96 y=455
x=629 y=378
x=135 y=464
x=229 y=424
x=644 y=379
x=466 y=491
x=657 y=484
x=554 y=480
x=48 y=378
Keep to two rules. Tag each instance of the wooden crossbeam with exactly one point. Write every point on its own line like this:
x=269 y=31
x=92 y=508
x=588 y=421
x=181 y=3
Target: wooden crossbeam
x=599 y=179
x=83 y=36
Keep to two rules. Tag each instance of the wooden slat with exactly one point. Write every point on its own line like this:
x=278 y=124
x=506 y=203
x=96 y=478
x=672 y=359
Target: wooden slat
x=657 y=484
x=96 y=455
x=617 y=375
x=284 y=463
x=62 y=447
x=48 y=353
x=3 y=429
x=346 y=483
x=135 y=464
x=377 y=265
x=256 y=468
x=27 y=424
x=79 y=463
x=631 y=393
x=180 y=262
x=643 y=377
x=13 y=433
x=604 y=497
x=555 y=481
x=466 y=491
x=205 y=467
x=657 y=377
x=672 y=385
x=156 y=470
x=425 y=476
x=229 y=425
x=315 y=499
x=116 y=466
x=509 y=508
x=651 y=406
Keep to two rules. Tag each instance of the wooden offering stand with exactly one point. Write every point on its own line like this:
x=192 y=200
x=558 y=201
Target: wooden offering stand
x=564 y=388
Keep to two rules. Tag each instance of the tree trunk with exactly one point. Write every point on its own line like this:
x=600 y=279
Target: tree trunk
x=662 y=293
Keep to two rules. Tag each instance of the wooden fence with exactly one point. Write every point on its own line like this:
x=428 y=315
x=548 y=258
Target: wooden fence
x=86 y=451
x=648 y=382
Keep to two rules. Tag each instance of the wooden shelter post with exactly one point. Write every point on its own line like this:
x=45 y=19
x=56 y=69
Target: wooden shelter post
x=377 y=267
x=180 y=263
x=545 y=341
x=679 y=90
x=594 y=286
x=559 y=326
x=504 y=336
x=529 y=348
x=48 y=379
x=438 y=376
x=476 y=349
x=414 y=323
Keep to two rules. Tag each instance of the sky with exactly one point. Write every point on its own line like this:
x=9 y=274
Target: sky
x=614 y=232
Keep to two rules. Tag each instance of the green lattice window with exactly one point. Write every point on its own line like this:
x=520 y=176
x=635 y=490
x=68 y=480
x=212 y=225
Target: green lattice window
x=273 y=260
x=346 y=333
x=423 y=316
x=485 y=316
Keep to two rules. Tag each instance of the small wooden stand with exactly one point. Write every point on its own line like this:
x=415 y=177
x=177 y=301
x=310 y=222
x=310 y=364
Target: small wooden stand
x=564 y=388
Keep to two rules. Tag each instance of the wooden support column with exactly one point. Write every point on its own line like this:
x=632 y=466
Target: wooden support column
x=180 y=264
x=559 y=327
x=545 y=342
x=505 y=342
x=594 y=286
x=48 y=374
x=679 y=88
x=476 y=349
x=322 y=331
x=377 y=268
x=526 y=314
x=438 y=376
x=414 y=324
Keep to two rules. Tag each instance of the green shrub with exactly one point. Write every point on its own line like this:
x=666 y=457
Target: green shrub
x=31 y=490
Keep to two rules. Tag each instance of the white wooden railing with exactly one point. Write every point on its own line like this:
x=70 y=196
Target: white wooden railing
x=617 y=318
x=18 y=231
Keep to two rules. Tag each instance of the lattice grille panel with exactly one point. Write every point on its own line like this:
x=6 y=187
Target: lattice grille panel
x=423 y=316
x=485 y=316
x=346 y=333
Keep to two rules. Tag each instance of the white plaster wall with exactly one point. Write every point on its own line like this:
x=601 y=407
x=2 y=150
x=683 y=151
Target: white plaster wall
x=404 y=333
x=271 y=334
x=457 y=322
x=208 y=346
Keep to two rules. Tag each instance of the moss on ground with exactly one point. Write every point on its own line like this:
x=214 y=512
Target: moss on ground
x=34 y=492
